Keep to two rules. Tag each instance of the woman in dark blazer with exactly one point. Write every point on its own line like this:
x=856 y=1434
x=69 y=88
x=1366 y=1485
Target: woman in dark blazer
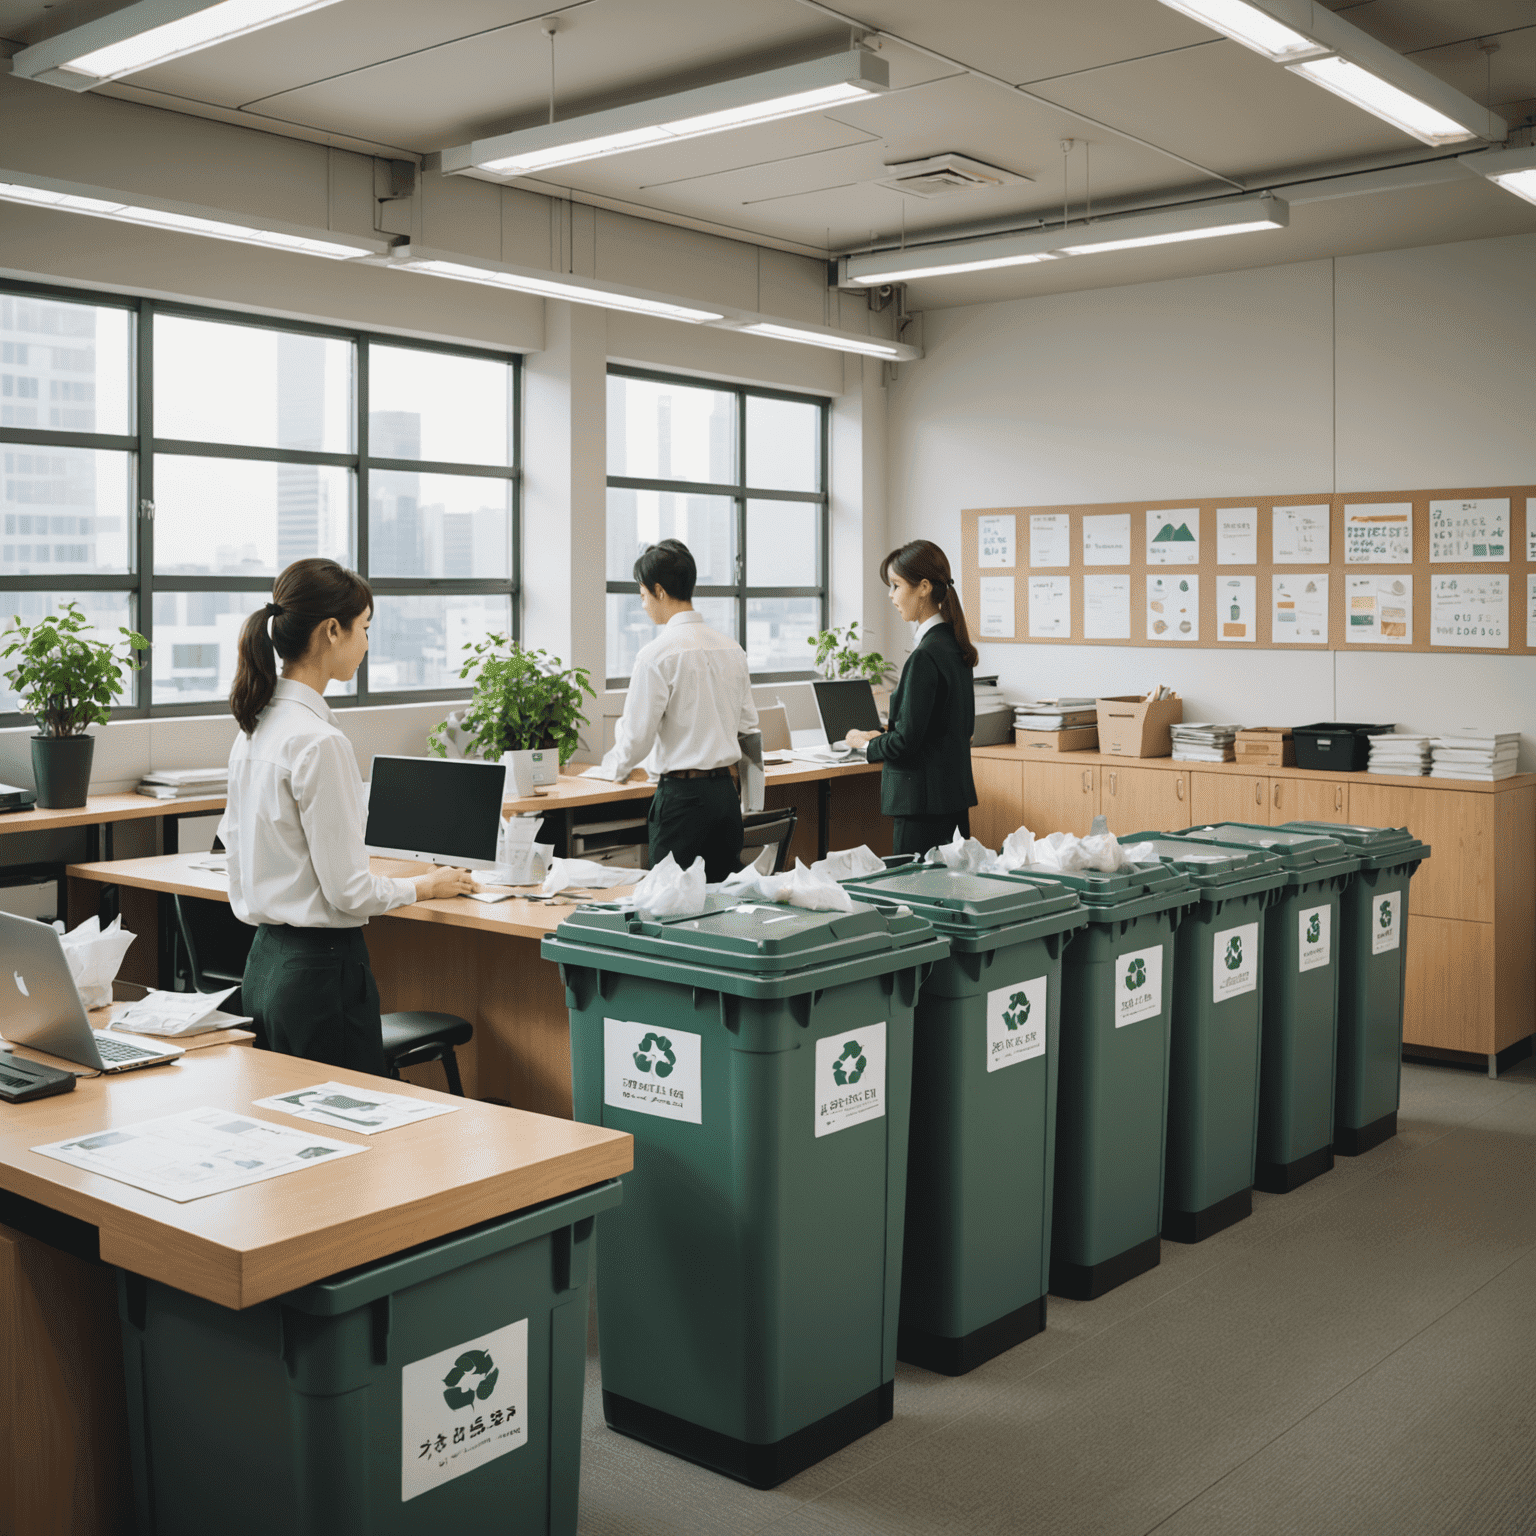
x=926 y=785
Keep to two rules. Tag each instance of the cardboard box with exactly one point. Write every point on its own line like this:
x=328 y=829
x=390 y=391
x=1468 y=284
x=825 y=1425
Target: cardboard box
x=1132 y=727
x=1265 y=746
x=1053 y=743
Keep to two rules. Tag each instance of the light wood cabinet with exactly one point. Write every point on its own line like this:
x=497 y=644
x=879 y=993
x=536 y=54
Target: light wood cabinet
x=1000 y=799
x=1135 y=799
x=1227 y=797
x=1458 y=881
x=1061 y=796
x=1308 y=800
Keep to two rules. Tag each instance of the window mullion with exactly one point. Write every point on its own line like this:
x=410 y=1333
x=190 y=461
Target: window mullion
x=143 y=510
x=360 y=492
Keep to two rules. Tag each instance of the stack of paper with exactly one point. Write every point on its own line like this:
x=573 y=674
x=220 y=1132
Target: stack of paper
x=185 y=783
x=1400 y=755
x=1056 y=714
x=1196 y=743
x=1473 y=752
x=989 y=697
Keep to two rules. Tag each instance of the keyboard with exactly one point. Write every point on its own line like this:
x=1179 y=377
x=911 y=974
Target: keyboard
x=120 y=1050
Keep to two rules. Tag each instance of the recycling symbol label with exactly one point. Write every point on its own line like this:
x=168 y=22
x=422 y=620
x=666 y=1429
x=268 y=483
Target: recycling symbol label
x=472 y=1379
x=1234 y=962
x=1234 y=953
x=1016 y=1020
x=1136 y=974
x=653 y=1071
x=1315 y=928
x=849 y=1073
x=1387 y=933
x=1141 y=985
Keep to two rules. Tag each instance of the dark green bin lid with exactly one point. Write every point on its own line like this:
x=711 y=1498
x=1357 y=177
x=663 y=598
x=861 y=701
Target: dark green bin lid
x=1214 y=870
x=1135 y=891
x=1376 y=847
x=1306 y=856
x=972 y=903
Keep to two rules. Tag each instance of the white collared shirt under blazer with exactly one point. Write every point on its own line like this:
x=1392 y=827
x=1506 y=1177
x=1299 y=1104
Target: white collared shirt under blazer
x=294 y=821
x=690 y=696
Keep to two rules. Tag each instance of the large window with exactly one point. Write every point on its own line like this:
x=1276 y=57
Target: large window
x=740 y=476
x=162 y=465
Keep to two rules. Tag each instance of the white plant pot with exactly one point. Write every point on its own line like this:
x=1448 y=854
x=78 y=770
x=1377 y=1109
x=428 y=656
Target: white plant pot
x=534 y=766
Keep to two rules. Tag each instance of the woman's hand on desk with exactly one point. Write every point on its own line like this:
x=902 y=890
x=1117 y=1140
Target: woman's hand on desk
x=442 y=883
x=859 y=738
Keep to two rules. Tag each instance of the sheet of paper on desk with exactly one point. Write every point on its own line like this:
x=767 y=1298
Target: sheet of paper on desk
x=199 y=1152
x=355 y=1109
x=219 y=862
x=176 y=1013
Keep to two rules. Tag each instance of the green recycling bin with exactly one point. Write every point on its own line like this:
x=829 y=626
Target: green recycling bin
x=1301 y=999
x=761 y=1056
x=437 y=1390
x=1112 y=1088
x=982 y=1155
x=1213 y=1068
x=1373 y=961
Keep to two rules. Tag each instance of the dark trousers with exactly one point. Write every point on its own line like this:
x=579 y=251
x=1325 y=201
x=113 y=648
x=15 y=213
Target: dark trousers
x=917 y=834
x=690 y=817
x=311 y=993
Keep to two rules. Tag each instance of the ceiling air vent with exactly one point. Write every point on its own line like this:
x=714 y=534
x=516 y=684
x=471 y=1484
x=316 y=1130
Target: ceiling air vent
x=945 y=175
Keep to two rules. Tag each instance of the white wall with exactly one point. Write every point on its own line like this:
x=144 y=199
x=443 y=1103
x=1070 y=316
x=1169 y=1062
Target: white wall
x=1403 y=368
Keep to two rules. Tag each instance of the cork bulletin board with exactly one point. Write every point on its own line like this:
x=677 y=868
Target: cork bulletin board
x=1422 y=570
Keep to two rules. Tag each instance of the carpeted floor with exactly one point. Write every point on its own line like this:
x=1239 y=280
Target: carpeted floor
x=1356 y=1357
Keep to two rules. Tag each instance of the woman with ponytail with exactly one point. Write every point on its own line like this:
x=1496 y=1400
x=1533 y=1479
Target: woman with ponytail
x=926 y=783
x=298 y=871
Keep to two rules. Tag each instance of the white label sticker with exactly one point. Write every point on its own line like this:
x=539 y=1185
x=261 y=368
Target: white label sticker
x=1234 y=962
x=653 y=1070
x=1386 y=922
x=1139 y=985
x=1314 y=928
x=850 y=1078
x=1016 y=1023
x=462 y=1408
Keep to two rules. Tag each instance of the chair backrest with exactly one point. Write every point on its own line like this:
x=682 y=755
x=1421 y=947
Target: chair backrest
x=761 y=829
x=216 y=942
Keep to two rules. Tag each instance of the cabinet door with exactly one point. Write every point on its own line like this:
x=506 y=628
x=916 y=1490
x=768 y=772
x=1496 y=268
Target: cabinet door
x=1059 y=797
x=1000 y=798
x=1227 y=797
x=1144 y=799
x=1448 y=990
x=1457 y=880
x=1307 y=800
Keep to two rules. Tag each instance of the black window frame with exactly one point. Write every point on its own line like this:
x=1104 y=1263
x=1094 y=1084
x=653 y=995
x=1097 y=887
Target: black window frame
x=741 y=492
x=140 y=442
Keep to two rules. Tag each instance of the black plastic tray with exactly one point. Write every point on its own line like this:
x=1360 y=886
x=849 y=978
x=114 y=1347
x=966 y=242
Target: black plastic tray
x=1336 y=746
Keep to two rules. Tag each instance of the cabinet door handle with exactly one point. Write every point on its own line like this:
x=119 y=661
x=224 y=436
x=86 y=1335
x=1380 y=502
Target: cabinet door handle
x=1277 y=795
x=1338 y=797
x=1114 y=783
x=1178 y=786
x=1087 y=780
x=1258 y=791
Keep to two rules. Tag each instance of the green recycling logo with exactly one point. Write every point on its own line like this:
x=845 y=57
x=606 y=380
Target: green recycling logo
x=656 y=1053
x=1386 y=914
x=849 y=1067
x=1315 y=928
x=1234 y=954
x=1017 y=1015
x=473 y=1363
x=1136 y=974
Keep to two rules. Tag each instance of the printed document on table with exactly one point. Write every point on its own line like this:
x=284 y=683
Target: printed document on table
x=198 y=1152
x=1050 y=539
x=995 y=538
x=1107 y=607
x=1237 y=536
x=1298 y=613
x=1470 y=611
x=350 y=1108
x=996 y=608
x=1378 y=610
x=1107 y=539
x=1173 y=537
x=1299 y=535
x=1378 y=533
x=1050 y=607
x=175 y=1013
x=1235 y=610
x=1469 y=531
x=1173 y=608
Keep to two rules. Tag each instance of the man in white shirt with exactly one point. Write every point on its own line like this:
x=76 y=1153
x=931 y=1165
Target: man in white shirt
x=690 y=697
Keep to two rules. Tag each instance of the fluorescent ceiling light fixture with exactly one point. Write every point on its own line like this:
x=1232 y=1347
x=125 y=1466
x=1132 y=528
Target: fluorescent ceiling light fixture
x=1240 y=216
x=147 y=33
x=1248 y=25
x=1384 y=100
x=867 y=346
x=763 y=98
x=1512 y=169
x=907 y=266
x=549 y=285
x=100 y=203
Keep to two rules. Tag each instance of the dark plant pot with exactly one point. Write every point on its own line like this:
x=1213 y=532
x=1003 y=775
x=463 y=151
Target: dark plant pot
x=61 y=767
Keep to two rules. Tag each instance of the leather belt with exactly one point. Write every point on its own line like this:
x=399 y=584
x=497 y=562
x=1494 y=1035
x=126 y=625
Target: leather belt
x=698 y=773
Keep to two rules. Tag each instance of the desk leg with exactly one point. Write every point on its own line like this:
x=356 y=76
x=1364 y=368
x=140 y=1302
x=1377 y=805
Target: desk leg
x=107 y=840
x=92 y=845
x=170 y=835
x=823 y=817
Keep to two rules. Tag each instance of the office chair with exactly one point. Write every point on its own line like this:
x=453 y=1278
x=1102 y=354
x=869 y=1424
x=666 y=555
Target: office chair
x=761 y=829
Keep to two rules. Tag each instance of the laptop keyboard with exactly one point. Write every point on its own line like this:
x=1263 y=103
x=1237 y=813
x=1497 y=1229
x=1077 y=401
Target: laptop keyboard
x=119 y=1050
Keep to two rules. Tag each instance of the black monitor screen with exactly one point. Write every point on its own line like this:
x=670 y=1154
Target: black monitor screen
x=846 y=705
x=435 y=808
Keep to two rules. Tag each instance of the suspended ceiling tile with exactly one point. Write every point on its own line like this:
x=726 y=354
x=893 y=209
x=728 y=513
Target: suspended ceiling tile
x=1507 y=75
x=1410 y=25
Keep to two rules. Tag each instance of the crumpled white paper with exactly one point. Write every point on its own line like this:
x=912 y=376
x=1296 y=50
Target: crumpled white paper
x=964 y=855
x=95 y=955
x=797 y=887
x=669 y=891
x=1018 y=850
x=849 y=863
x=1064 y=853
x=585 y=874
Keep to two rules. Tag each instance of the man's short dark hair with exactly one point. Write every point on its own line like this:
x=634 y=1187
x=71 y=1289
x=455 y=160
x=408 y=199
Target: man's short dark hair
x=670 y=566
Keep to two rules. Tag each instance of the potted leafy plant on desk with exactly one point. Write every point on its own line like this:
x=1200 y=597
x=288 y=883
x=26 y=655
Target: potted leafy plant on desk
x=838 y=656
x=526 y=705
x=67 y=681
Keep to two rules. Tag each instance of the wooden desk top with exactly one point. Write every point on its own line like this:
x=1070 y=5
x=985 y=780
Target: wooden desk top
x=414 y=1184
x=101 y=808
x=516 y=918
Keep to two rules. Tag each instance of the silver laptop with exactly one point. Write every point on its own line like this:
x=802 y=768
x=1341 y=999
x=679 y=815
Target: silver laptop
x=40 y=1006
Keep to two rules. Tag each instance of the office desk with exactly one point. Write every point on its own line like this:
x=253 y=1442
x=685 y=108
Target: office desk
x=101 y=812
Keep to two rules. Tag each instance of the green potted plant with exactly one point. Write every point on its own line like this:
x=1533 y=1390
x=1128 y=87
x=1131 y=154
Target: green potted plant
x=838 y=655
x=526 y=705
x=67 y=682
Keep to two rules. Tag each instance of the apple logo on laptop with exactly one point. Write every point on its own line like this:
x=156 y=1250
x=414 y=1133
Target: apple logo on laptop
x=21 y=985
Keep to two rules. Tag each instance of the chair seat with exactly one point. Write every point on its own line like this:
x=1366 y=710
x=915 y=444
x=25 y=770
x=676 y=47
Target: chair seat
x=405 y=1031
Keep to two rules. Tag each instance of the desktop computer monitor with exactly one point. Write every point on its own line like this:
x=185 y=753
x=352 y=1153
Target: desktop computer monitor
x=847 y=704
x=441 y=810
